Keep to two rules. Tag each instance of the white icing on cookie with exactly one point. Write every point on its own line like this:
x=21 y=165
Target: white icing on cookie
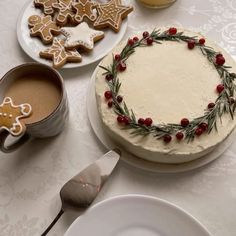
x=81 y=35
x=59 y=54
x=11 y=114
x=84 y=9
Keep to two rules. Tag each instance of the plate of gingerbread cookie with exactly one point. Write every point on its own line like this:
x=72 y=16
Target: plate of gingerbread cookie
x=71 y=33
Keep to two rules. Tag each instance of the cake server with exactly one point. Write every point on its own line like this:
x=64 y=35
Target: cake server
x=80 y=191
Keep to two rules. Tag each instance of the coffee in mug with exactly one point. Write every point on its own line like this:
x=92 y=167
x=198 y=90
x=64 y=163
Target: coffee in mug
x=37 y=92
x=40 y=92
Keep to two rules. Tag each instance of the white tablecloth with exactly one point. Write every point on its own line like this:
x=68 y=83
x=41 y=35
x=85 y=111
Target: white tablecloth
x=30 y=179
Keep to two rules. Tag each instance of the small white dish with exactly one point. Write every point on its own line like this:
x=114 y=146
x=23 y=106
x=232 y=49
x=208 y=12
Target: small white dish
x=131 y=159
x=136 y=215
x=32 y=45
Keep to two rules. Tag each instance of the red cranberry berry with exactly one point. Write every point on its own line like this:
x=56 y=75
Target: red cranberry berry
x=220 y=88
x=148 y=121
x=141 y=121
x=122 y=66
x=204 y=126
x=126 y=120
x=120 y=119
x=149 y=41
x=179 y=135
x=117 y=57
x=172 y=31
x=109 y=77
x=198 y=131
x=219 y=55
x=184 y=122
x=211 y=105
x=136 y=39
x=220 y=60
x=130 y=42
x=191 y=44
x=119 y=99
x=108 y=94
x=145 y=34
x=110 y=103
x=167 y=138
x=202 y=41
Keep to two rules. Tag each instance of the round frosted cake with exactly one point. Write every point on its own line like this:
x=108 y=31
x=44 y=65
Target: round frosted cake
x=167 y=96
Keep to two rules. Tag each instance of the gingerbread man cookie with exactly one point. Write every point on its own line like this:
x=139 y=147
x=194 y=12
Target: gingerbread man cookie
x=46 y=5
x=111 y=15
x=11 y=114
x=65 y=11
x=59 y=55
x=81 y=36
x=84 y=9
x=44 y=27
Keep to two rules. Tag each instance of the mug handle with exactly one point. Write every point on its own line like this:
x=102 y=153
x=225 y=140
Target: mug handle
x=12 y=147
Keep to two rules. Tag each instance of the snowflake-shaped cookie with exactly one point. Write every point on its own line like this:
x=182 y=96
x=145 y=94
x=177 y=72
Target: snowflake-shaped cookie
x=11 y=114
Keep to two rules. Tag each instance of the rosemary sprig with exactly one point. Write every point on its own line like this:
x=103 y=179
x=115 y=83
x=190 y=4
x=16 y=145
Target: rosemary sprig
x=223 y=104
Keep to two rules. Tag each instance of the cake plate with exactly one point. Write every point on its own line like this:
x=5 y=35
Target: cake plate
x=32 y=45
x=131 y=159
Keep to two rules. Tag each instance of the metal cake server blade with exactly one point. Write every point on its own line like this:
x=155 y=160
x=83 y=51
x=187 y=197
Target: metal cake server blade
x=80 y=191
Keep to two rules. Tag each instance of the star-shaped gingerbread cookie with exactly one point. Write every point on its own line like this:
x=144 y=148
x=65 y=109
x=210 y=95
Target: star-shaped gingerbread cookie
x=84 y=9
x=46 y=5
x=59 y=55
x=81 y=36
x=11 y=114
x=65 y=11
x=111 y=15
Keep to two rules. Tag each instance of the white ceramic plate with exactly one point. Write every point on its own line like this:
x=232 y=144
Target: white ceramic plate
x=136 y=215
x=96 y=124
x=32 y=45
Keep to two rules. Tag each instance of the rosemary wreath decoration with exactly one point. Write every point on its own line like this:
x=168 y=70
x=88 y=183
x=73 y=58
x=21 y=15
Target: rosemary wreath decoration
x=186 y=129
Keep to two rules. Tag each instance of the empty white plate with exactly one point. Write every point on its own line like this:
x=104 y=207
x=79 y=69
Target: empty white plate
x=136 y=215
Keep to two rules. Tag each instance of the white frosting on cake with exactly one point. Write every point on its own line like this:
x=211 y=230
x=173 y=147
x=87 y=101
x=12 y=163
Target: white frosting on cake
x=166 y=82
